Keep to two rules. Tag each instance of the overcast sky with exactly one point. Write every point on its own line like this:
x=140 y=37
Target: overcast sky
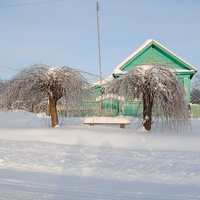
x=64 y=32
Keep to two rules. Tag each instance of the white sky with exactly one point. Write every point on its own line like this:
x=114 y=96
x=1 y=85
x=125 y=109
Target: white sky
x=64 y=32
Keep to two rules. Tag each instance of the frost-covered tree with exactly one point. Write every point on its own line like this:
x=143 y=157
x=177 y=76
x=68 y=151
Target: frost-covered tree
x=1 y=84
x=158 y=90
x=39 y=83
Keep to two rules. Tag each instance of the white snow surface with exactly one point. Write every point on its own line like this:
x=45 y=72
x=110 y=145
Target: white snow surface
x=80 y=162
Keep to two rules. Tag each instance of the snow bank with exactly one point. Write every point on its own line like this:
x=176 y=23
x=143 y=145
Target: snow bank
x=18 y=126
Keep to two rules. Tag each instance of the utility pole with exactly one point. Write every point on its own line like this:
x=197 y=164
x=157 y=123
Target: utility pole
x=99 y=47
x=99 y=50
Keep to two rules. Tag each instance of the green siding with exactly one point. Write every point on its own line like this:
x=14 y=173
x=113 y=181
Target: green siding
x=110 y=107
x=185 y=81
x=154 y=55
x=132 y=109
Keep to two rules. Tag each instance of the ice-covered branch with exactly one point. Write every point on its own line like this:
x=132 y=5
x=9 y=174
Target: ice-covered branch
x=158 y=90
x=41 y=83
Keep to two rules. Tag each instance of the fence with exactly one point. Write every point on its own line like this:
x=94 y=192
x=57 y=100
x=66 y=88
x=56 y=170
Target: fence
x=195 y=110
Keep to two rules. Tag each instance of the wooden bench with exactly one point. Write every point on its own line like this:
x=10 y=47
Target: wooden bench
x=107 y=120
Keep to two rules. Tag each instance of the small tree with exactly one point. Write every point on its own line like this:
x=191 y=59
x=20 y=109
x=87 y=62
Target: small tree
x=39 y=82
x=160 y=92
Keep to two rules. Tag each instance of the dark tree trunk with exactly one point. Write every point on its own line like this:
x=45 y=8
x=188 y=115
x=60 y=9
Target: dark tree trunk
x=53 y=111
x=147 y=109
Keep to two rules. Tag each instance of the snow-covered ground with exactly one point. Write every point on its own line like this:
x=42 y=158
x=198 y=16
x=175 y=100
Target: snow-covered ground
x=79 y=162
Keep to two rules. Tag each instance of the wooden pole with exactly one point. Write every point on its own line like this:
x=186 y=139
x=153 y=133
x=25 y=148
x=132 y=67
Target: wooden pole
x=99 y=46
x=99 y=50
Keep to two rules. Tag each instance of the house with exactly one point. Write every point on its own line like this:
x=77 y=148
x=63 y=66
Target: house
x=150 y=53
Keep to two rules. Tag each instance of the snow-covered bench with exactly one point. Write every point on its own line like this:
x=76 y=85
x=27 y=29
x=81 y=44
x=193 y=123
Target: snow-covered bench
x=107 y=120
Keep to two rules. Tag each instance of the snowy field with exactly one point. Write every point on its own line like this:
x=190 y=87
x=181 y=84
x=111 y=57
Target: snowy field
x=79 y=162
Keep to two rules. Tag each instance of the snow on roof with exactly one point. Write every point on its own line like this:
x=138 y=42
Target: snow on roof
x=110 y=78
x=118 y=70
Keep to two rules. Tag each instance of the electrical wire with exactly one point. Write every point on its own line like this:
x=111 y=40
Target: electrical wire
x=33 y=3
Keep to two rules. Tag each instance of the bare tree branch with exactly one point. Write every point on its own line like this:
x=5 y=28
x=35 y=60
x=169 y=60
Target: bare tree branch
x=41 y=83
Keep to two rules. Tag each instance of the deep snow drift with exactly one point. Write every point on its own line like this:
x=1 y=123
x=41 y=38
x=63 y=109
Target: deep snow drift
x=79 y=162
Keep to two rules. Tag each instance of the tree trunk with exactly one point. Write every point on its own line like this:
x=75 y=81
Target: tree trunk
x=53 y=111
x=147 y=109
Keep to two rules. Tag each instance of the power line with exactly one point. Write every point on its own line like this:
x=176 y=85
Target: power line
x=33 y=3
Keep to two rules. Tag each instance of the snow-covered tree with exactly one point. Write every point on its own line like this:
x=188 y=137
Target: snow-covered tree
x=1 y=84
x=41 y=83
x=158 y=90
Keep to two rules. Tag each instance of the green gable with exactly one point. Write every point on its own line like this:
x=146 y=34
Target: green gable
x=152 y=53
